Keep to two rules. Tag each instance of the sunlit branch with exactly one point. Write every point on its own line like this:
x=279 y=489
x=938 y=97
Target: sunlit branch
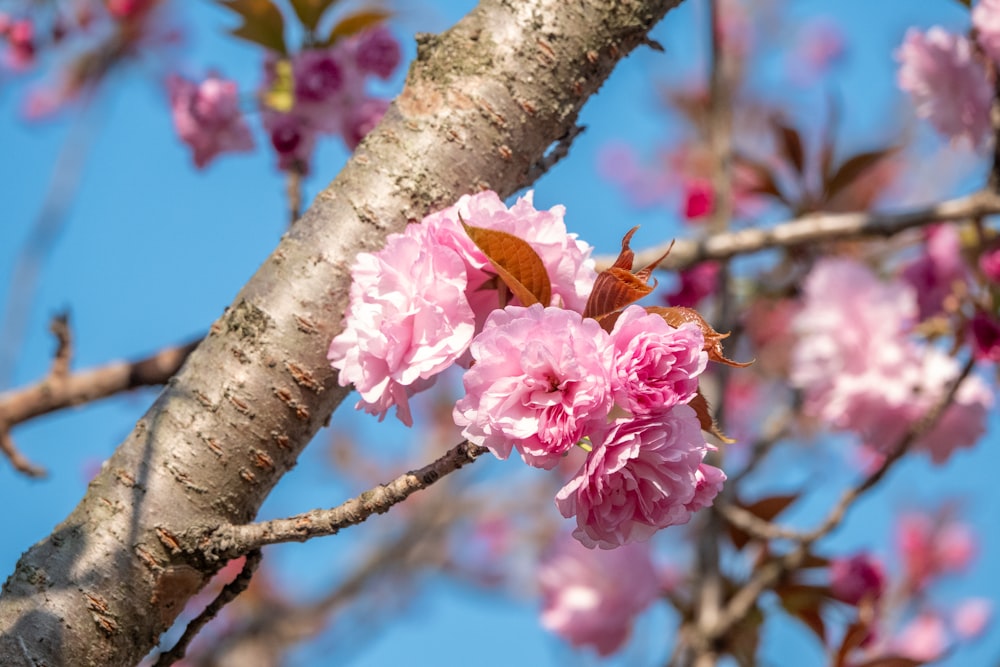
x=818 y=228
x=216 y=543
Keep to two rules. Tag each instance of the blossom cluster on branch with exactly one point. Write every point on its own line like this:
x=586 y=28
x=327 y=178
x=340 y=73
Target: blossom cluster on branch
x=472 y=285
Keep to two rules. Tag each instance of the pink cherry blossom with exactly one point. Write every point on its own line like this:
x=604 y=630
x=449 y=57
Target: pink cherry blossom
x=377 y=52
x=566 y=259
x=860 y=577
x=698 y=199
x=989 y=264
x=948 y=85
x=292 y=138
x=931 y=547
x=540 y=383
x=655 y=365
x=924 y=638
x=21 y=43
x=985 y=333
x=696 y=283
x=317 y=75
x=986 y=21
x=643 y=474
x=591 y=597
x=934 y=274
x=862 y=371
x=971 y=617
x=208 y=118
x=408 y=320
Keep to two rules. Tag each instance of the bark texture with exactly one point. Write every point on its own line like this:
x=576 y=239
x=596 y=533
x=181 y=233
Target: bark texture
x=482 y=105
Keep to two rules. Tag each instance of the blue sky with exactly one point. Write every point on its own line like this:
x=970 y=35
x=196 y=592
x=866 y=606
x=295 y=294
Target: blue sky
x=152 y=251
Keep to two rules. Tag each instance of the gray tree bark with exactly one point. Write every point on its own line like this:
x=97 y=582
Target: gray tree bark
x=482 y=105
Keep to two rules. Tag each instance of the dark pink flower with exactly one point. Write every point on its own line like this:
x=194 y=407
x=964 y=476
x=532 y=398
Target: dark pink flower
x=591 y=597
x=935 y=273
x=208 y=118
x=860 y=577
x=377 y=52
x=540 y=383
x=698 y=199
x=696 y=283
x=985 y=333
x=407 y=321
x=655 y=365
x=21 y=44
x=643 y=474
x=317 y=75
x=948 y=85
x=292 y=138
x=989 y=263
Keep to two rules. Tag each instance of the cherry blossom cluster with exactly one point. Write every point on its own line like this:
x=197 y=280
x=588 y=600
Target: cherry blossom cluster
x=317 y=91
x=946 y=74
x=540 y=379
x=862 y=369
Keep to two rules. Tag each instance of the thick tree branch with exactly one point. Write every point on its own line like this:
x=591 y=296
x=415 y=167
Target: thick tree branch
x=218 y=544
x=482 y=105
x=817 y=228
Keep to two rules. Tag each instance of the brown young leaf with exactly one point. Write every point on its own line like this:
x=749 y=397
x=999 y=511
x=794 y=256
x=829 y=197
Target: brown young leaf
x=852 y=169
x=701 y=408
x=310 y=12
x=516 y=262
x=790 y=145
x=617 y=286
x=354 y=23
x=760 y=179
x=675 y=316
x=262 y=24
x=804 y=602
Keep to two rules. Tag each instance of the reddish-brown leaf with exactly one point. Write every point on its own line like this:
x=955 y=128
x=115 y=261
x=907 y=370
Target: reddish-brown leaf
x=760 y=179
x=675 y=316
x=310 y=11
x=790 y=145
x=263 y=23
x=355 y=23
x=617 y=286
x=893 y=660
x=853 y=168
x=772 y=506
x=516 y=262
x=701 y=408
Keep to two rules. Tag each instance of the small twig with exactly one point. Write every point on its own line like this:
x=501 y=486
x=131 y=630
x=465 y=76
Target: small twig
x=294 y=193
x=771 y=572
x=62 y=389
x=59 y=326
x=815 y=229
x=216 y=543
x=228 y=593
x=556 y=153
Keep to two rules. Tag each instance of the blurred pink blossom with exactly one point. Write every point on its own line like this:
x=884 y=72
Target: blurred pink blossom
x=930 y=547
x=819 y=44
x=407 y=321
x=989 y=263
x=591 y=597
x=860 y=577
x=923 y=638
x=934 y=273
x=696 y=283
x=540 y=383
x=21 y=45
x=972 y=617
x=377 y=52
x=292 y=138
x=985 y=333
x=948 y=85
x=207 y=117
x=698 y=199
x=986 y=21
x=643 y=474
x=655 y=365
x=363 y=119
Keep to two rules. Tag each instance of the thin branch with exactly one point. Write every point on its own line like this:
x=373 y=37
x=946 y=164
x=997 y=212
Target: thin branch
x=556 y=152
x=815 y=229
x=215 y=543
x=59 y=326
x=61 y=389
x=771 y=572
x=229 y=593
x=294 y=193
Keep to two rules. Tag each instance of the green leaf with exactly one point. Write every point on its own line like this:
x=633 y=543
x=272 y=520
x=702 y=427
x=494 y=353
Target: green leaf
x=352 y=24
x=262 y=24
x=310 y=12
x=516 y=262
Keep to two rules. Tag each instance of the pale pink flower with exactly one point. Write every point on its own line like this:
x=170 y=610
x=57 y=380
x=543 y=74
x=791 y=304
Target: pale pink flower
x=591 y=597
x=819 y=45
x=860 y=577
x=540 y=383
x=407 y=321
x=643 y=474
x=656 y=366
x=930 y=547
x=948 y=85
x=566 y=259
x=377 y=52
x=986 y=21
x=971 y=617
x=208 y=118
x=924 y=638
x=934 y=274
x=861 y=370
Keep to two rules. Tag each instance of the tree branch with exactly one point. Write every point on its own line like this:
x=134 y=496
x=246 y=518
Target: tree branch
x=218 y=544
x=251 y=396
x=815 y=229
